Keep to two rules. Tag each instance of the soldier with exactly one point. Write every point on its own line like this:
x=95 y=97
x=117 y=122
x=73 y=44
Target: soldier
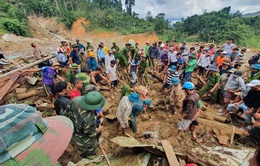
x=89 y=46
x=81 y=112
x=124 y=56
x=115 y=47
x=70 y=75
x=212 y=84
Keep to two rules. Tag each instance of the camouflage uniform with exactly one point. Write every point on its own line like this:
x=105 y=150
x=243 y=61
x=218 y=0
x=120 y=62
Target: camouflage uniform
x=28 y=139
x=84 y=136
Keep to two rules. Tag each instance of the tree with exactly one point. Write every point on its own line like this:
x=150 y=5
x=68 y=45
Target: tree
x=149 y=16
x=129 y=4
x=160 y=24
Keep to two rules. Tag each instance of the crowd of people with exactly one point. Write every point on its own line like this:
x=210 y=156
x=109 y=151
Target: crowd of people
x=76 y=95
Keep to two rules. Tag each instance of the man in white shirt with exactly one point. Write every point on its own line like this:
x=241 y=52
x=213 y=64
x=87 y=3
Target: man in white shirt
x=204 y=61
x=229 y=45
x=109 y=58
x=124 y=110
x=111 y=76
x=172 y=56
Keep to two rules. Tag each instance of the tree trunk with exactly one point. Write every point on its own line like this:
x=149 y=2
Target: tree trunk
x=71 y=5
x=57 y=6
x=65 y=6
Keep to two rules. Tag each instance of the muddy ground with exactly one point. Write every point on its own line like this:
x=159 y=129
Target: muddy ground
x=211 y=133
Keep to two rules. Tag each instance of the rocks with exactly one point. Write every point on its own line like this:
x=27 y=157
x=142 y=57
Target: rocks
x=166 y=133
x=17 y=39
x=144 y=117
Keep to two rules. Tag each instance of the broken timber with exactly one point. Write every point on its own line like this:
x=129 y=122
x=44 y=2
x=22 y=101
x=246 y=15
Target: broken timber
x=218 y=125
x=156 y=75
x=8 y=85
x=172 y=159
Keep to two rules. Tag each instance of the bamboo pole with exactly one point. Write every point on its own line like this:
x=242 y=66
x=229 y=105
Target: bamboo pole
x=27 y=66
x=108 y=162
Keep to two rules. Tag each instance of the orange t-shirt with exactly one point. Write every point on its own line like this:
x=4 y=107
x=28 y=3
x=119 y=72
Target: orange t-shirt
x=219 y=60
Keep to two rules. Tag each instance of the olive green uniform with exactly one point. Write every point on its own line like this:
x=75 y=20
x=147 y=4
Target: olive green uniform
x=143 y=67
x=115 y=48
x=123 y=59
x=213 y=79
x=251 y=77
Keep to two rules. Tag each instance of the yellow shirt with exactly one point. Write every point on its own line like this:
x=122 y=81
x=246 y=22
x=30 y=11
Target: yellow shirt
x=105 y=50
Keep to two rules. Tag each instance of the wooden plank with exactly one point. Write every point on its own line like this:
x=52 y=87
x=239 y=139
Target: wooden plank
x=8 y=85
x=5 y=78
x=182 y=162
x=232 y=135
x=7 y=97
x=110 y=116
x=106 y=108
x=172 y=159
x=13 y=87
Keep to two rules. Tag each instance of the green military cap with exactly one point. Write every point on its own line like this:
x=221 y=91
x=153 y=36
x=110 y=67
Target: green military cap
x=74 y=66
x=84 y=77
x=92 y=101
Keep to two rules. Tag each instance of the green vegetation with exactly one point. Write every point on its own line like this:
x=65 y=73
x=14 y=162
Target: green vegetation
x=12 y=19
x=108 y=15
x=217 y=26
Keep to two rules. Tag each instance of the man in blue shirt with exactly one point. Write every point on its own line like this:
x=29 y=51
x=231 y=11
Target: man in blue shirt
x=74 y=56
x=92 y=63
x=153 y=55
x=133 y=67
x=81 y=47
x=234 y=56
x=101 y=55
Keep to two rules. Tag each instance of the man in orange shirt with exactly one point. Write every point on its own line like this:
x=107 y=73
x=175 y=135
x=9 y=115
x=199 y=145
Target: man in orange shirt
x=221 y=58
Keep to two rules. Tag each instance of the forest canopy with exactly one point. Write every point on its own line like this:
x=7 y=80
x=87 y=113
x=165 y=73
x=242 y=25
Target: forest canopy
x=109 y=15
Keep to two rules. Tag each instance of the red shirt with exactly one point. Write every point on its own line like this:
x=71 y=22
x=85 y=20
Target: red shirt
x=74 y=93
x=167 y=48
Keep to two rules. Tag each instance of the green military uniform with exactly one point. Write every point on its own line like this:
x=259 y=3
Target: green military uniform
x=133 y=52
x=70 y=77
x=123 y=59
x=143 y=67
x=147 y=50
x=213 y=79
x=251 y=77
x=89 y=47
x=115 y=48
x=84 y=136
